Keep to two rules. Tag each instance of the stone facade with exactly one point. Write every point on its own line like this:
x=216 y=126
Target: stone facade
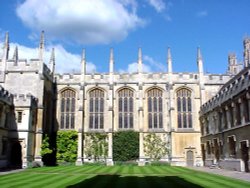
x=32 y=86
x=224 y=121
x=165 y=103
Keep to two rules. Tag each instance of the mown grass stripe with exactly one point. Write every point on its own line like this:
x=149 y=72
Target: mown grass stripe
x=25 y=181
x=67 y=180
x=15 y=177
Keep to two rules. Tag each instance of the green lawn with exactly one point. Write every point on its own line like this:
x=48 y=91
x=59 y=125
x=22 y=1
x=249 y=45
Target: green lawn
x=117 y=176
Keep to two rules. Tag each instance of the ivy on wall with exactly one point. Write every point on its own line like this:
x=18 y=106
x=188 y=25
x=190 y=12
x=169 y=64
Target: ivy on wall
x=96 y=146
x=66 y=146
x=154 y=147
x=125 y=146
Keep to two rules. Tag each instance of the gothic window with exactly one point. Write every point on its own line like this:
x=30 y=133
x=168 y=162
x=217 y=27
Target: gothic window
x=126 y=108
x=67 y=106
x=184 y=109
x=96 y=109
x=155 y=109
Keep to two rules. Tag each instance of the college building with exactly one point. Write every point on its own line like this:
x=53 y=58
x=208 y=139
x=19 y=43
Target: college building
x=35 y=100
x=225 y=122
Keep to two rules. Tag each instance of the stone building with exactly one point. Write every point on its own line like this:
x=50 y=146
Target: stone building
x=32 y=87
x=165 y=103
x=224 y=121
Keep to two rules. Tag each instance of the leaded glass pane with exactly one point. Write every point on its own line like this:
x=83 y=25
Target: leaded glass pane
x=96 y=107
x=184 y=108
x=67 y=109
x=125 y=108
x=150 y=120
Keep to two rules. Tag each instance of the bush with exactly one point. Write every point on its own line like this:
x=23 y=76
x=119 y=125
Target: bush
x=96 y=146
x=159 y=163
x=66 y=146
x=125 y=146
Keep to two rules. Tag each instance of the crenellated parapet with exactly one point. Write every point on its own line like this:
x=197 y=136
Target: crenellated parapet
x=232 y=88
x=22 y=65
x=6 y=96
x=25 y=100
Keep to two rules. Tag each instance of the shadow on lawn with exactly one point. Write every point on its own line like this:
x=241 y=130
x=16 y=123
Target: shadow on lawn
x=112 y=181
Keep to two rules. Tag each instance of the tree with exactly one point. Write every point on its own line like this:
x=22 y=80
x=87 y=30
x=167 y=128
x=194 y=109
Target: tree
x=154 y=147
x=96 y=146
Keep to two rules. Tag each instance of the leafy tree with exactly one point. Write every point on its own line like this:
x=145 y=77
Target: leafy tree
x=96 y=146
x=66 y=146
x=154 y=147
x=125 y=146
x=45 y=148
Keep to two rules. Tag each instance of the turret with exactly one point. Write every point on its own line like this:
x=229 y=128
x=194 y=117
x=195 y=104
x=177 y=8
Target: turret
x=5 y=57
x=52 y=61
x=15 y=55
x=169 y=62
x=111 y=66
x=111 y=61
x=246 y=53
x=41 y=53
x=139 y=61
x=83 y=65
x=199 y=61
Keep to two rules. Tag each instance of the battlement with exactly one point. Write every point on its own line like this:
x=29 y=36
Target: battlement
x=25 y=100
x=22 y=65
x=234 y=86
x=6 y=96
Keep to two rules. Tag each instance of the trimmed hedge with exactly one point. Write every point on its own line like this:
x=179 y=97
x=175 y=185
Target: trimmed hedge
x=125 y=146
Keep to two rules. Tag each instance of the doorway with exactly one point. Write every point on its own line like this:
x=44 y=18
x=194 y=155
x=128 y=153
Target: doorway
x=16 y=155
x=190 y=158
x=244 y=155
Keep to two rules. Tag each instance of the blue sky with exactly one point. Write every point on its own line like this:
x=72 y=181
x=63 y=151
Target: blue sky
x=218 y=27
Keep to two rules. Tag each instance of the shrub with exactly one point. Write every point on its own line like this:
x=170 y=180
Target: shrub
x=66 y=146
x=125 y=146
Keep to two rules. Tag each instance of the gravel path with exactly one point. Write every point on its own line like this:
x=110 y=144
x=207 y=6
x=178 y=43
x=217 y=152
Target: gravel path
x=234 y=174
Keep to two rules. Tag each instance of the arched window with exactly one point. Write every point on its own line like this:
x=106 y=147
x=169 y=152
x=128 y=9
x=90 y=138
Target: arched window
x=126 y=108
x=184 y=108
x=96 y=109
x=68 y=100
x=155 y=109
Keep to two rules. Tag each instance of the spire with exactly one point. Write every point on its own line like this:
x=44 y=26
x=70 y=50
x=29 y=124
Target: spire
x=41 y=46
x=169 y=61
x=199 y=61
x=15 y=55
x=111 y=61
x=6 y=46
x=246 y=53
x=52 y=61
x=83 y=62
x=139 y=60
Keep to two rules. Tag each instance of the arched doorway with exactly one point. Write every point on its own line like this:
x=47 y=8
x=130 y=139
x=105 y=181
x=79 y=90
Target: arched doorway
x=16 y=155
x=190 y=158
x=244 y=155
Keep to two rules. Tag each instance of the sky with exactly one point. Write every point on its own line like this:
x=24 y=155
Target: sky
x=218 y=27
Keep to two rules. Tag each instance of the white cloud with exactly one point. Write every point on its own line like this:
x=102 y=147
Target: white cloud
x=133 y=68
x=202 y=13
x=65 y=61
x=156 y=65
x=81 y=21
x=158 y=5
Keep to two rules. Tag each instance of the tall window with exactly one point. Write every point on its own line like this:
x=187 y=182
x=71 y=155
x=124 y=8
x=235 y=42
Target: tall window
x=68 y=99
x=155 y=109
x=126 y=108
x=96 y=109
x=184 y=107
